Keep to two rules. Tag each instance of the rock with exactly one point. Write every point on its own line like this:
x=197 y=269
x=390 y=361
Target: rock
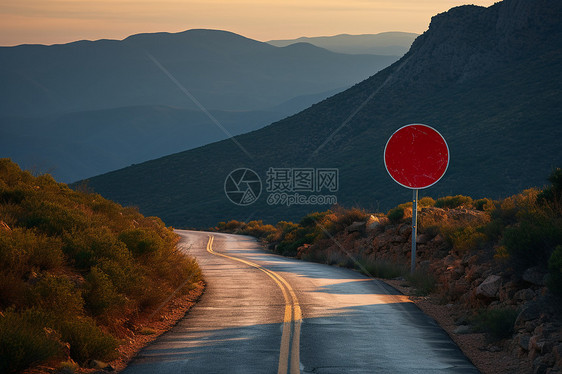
x=530 y=312
x=535 y=276
x=449 y=260
x=524 y=295
x=375 y=223
x=422 y=239
x=405 y=230
x=96 y=364
x=524 y=341
x=463 y=329
x=356 y=227
x=490 y=287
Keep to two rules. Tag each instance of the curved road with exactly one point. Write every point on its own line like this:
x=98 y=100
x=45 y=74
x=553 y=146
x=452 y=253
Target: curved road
x=263 y=313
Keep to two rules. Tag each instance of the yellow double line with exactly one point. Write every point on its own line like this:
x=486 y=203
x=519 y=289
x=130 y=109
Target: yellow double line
x=289 y=360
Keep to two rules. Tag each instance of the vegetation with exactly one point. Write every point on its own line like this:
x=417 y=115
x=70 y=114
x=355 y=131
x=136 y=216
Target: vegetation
x=520 y=231
x=74 y=268
x=496 y=323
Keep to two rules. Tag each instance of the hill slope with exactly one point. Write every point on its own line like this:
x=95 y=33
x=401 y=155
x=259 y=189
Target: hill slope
x=114 y=92
x=487 y=78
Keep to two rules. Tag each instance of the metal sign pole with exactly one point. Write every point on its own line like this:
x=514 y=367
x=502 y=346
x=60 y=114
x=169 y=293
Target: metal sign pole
x=414 y=230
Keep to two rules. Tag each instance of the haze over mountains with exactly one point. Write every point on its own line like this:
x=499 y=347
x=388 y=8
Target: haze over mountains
x=488 y=79
x=84 y=108
x=385 y=43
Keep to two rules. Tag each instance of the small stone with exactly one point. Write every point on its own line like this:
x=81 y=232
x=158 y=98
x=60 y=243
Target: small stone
x=530 y=312
x=524 y=341
x=463 y=329
x=535 y=276
x=490 y=287
x=524 y=295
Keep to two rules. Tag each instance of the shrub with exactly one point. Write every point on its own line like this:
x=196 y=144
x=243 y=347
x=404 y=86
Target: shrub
x=496 y=323
x=87 y=340
x=101 y=294
x=395 y=215
x=426 y=201
x=532 y=241
x=453 y=202
x=25 y=341
x=57 y=294
x=422 y=280
x=381 y=268
x=141 y=241
x=555 y=271
x=552 y=195
x=484 y=204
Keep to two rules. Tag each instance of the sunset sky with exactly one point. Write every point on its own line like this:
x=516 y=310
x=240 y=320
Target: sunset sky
x=62 y=21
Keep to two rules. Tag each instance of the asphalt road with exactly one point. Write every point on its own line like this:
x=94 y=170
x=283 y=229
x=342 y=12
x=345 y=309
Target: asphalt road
x=263 y=313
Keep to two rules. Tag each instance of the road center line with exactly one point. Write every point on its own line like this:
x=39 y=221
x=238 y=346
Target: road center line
x=289 y=354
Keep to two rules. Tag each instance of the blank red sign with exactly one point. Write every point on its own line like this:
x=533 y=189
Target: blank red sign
x=416 y=156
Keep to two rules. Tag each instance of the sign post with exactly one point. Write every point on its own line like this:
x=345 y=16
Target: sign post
x=416 y=156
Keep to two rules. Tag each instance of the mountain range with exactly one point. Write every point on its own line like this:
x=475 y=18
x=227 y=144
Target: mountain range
x=384 y=43
x=488 y=79
x=66 y=108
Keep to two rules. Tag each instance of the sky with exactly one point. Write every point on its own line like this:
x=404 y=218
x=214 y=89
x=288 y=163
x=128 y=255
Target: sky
x=63 y=21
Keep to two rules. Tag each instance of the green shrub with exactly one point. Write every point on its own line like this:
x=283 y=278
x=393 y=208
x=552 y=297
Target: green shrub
x=24 y=340
x=101 y=294
x=453 y=202
x=426 y=201
x=381 y=268
x=141 y=241
x=484 y=204
x=552 y=195
x=22 y=249
x=532 y=241
x=57 y=294
x=395 y=215
x=496 y=323
x=422 y=280
x=87 y=340
x=555 y=271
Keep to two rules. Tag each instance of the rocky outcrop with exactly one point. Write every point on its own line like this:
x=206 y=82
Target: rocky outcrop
x=469 y=41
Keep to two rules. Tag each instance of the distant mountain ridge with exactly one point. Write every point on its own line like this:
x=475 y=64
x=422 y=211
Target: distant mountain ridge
x=386 y=43
x=100 y=83
x=225 y=71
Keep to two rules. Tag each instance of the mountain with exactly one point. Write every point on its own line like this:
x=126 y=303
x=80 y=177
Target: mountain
x=114 y=97
x=488 y=79
x=223 y=70
x=385 y=43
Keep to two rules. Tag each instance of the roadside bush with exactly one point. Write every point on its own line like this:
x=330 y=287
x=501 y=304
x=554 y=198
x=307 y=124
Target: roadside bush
x=552 y=195
x=25 y=341
x=395 y=215
x=532 y=241
x=555 y=271
x=453 y=202
x=422 y=280
x=101 y=294
x=87 y=340
x=141 y=242
x=496 y=323
x=381 y=268
x=56 y=294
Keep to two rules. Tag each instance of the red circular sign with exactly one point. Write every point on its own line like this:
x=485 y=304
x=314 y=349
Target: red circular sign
x=416 y=156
